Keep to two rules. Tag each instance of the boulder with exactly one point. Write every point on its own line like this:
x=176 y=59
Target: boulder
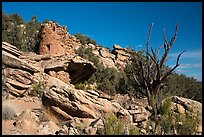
x=11 y=49
x=80 y=70
x=115 y=46
x=106 y=58
x=105 y=53
x=18 y=75
x=74 y=102
x=143 y=116
x=180 y=109
x=14 y=62
x=184 y=105
x=188 y=104
x=91 y=45
x=17 y=81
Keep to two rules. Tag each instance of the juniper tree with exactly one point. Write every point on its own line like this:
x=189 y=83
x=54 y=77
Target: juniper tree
x=154 y=73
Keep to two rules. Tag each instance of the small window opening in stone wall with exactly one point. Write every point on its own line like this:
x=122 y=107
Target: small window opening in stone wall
x=48 y=46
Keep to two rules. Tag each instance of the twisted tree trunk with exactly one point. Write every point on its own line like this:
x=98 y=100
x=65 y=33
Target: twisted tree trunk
x=152 y=84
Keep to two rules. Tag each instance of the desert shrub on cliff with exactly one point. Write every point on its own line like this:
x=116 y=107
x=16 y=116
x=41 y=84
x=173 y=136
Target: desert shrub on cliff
x=82 y=86
x=87 y=54
x=186 y=124
x=116 y=126
x=173 y=123
x=85 y=39
x=25 y=36
x=37 y=89
x=127 y=82
x=107 y=79
x=181 y=85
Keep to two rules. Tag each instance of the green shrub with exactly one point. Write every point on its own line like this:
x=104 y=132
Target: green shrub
x=114 y=126
x=87 y=54
x=37 y=89
x=107 y=79
x=117 y=126
x=25 y=38
x=80 y=86
x=189 y=124
x=173 y=123
x=165 y=108
x=134 y=131
x=85 y=39
x=183 y=86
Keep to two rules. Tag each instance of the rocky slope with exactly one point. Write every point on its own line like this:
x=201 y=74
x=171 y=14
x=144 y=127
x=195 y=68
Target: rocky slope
x=62 y=109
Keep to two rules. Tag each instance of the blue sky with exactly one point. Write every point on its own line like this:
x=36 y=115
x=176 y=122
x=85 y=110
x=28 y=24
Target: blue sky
x=127 y=24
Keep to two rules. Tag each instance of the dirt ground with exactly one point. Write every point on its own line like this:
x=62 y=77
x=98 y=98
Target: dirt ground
x=18 y=105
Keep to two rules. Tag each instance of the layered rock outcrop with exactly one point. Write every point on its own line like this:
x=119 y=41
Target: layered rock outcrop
x=122 y=56
x=117 y=58
x=21 y=70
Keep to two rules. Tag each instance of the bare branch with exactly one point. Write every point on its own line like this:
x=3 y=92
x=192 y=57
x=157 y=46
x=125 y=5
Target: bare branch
x=136 y=80
x=171 y=70
x=155 y=61
x=177 y=61
x=154 y=54
x=174 y=38
x=151 y=64
x=168 y=48
x=147 y=44
x=167 y=59
x=165 y=41
x=159 y=50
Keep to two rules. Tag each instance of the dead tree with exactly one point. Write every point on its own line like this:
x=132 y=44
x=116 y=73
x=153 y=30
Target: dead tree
x=153 y=71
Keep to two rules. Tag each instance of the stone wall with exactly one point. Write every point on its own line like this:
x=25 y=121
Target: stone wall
x=56 y=40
